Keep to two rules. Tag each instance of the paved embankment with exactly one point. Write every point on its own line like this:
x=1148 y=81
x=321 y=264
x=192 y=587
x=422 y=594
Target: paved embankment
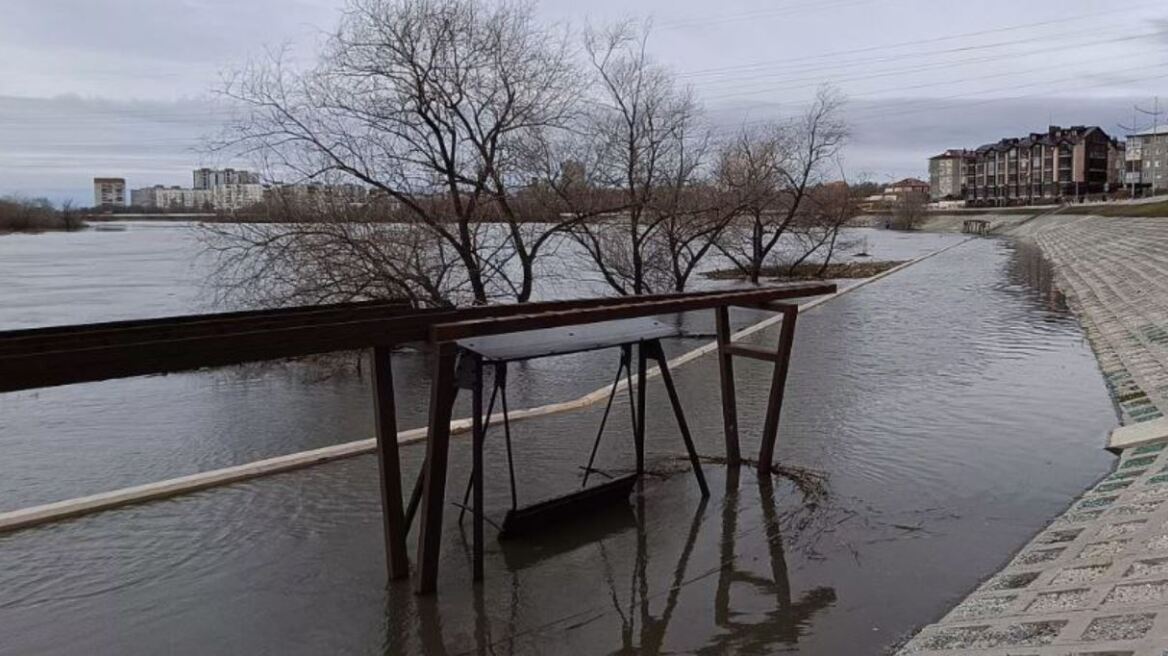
x=1095 y=582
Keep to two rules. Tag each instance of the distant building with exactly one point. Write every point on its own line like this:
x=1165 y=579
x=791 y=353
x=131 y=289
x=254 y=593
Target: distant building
x=236 y=196
x=1146 y=169
x=109 y=192
x=160 y=197
x=1060 y=164
x=318 y=194
x=209 y=178
x=947 y=175
x=905 y=189
x=219 y=197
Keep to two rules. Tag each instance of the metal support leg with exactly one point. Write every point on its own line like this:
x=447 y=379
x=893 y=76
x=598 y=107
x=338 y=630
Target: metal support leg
x=626 y=356
x=729 y=399
x=389 y=465
x=656 y=352
x=442 y=394
x=479 y=433
x=770 y=430
x=639 y=427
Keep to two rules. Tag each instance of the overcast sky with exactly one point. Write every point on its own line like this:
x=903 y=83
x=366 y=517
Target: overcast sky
x=125 y=87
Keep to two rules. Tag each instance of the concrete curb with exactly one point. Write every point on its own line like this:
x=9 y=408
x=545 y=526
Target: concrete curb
x=1136 y=435
x=36 y=515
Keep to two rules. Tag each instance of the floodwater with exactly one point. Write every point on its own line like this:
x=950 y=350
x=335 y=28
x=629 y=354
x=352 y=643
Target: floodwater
x=947 y=413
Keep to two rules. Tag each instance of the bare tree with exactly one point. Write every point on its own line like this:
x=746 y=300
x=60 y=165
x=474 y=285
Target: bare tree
x=645 y=146
x=908 y=211
x=774 y=166
x=829 y=208
x=432 y=104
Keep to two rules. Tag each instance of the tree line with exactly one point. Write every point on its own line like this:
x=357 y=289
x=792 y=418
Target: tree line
x=491 y=142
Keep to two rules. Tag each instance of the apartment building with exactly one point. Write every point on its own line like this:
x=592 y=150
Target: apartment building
x=1146 y=170
x=1059 y=165
x=947 y=175
x=160 y=197
x=210 y=178
x=906 y=188
x=109 y=192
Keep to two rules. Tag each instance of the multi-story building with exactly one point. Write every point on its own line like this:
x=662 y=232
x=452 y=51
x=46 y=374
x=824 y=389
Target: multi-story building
x=221 y=197
x=318 y=195
x=1061 y=164
x=236 y=196
x=1146 y=168
x=907 y=188
x=109 y=192
x=160 y=197
x=947 y=175
x=209 y=178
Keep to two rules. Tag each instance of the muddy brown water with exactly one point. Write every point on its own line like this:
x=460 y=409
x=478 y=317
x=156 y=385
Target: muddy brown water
x=952 y=410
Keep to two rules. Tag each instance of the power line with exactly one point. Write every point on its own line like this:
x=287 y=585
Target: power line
x=929 y=67
x=998 y=30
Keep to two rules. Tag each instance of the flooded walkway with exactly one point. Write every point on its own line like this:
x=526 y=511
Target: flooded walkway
x=1096 y=581
x=928 y=469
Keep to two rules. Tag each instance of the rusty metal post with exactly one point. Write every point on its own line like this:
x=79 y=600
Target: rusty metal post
x=726 y=375
x=478 y=434
x=658 y=354
x=639 y=427
x=770 y=430
x=389 y=464
x=442 y=394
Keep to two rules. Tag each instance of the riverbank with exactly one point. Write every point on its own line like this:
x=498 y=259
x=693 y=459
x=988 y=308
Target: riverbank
x=1097 y=578
x=853 y=270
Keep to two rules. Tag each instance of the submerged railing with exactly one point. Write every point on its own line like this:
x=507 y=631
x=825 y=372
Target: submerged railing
x=46 y=357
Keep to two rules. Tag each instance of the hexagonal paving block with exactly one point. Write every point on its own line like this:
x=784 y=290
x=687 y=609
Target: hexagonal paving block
x=1151 y=567
x=1059 y=537
x=1079 y=575
x=1119 y=627
x=1142 y=461
x=1158 y=492
x=1109 y=548
x=1150 y=448
x=1122 y=528
x=1137 y=593
x=1039 y=556
x=1111 y=487
x=978 y=608
x=1097 y=502
x=1060 y=601
x=1136 y=508
x=1011 y=581
x=1125 y=474
x=1081 y=516
x=1157 y=543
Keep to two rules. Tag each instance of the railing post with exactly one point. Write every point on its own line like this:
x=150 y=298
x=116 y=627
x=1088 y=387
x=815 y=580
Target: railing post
x=770 y=430
x=442 y=394
x=389 y=464
x=729 y=398
x=478 y=435
x=639 y=428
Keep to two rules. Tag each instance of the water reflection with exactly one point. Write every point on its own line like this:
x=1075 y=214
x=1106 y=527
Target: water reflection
x=781 y=625
x=641 y=586
x=1029 y=268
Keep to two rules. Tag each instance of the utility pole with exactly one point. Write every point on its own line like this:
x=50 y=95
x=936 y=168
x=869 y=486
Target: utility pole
x=1134 y=130
x=1155 y=114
